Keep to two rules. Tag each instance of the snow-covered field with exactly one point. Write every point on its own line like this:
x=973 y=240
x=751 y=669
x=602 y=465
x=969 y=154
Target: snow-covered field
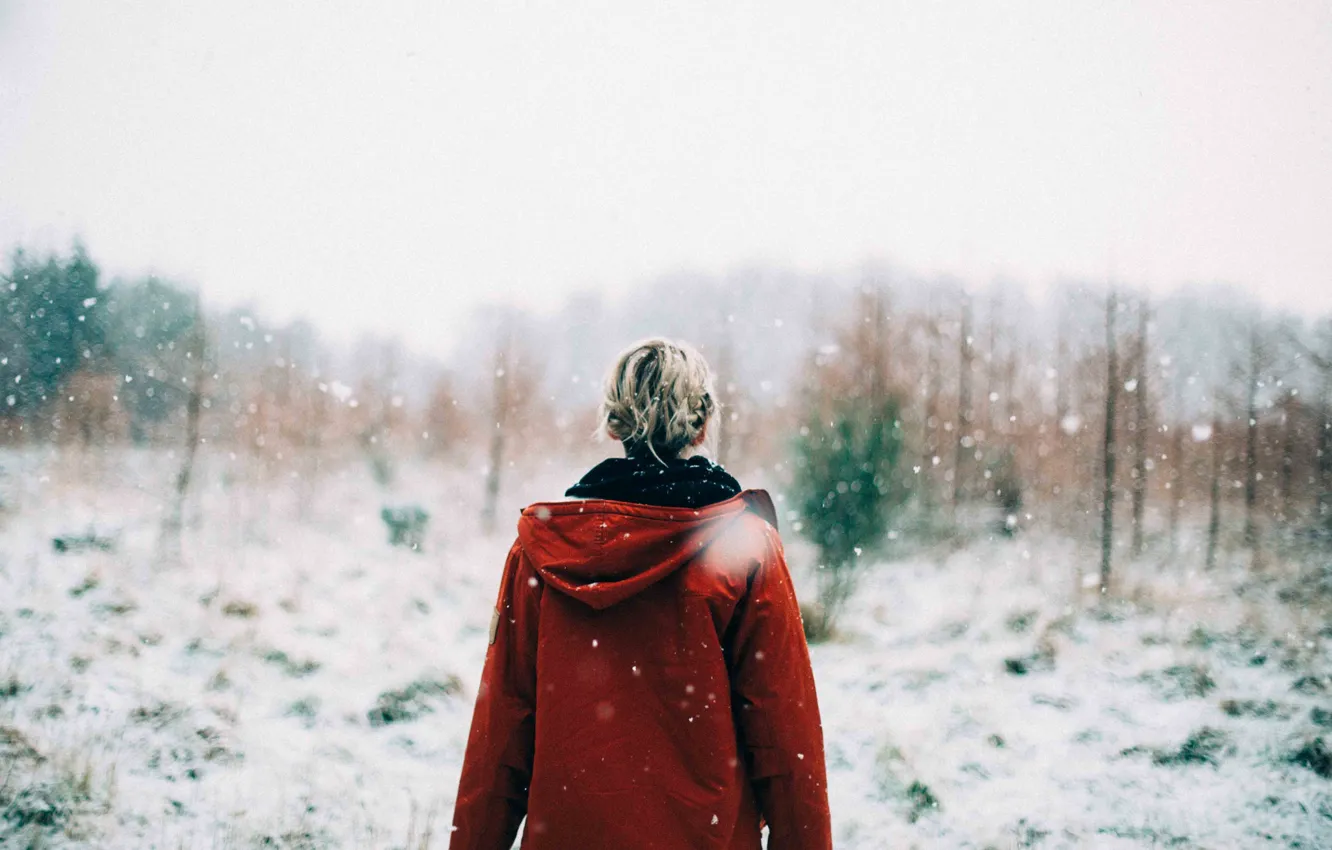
x=296 y=682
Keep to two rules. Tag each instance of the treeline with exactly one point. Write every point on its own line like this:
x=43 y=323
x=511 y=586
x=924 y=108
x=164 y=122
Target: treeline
x=89 y=362
x=1191 y=411
x=86 y=364
x=1174 y=430
x=1101 y=411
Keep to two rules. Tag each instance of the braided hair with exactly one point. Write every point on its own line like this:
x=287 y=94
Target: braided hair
x=657 y=397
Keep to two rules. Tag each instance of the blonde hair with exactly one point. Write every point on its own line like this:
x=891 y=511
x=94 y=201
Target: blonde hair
x=658 y=395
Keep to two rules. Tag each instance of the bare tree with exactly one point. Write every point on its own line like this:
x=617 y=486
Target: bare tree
x=1214 y=491
x=872 y=337
x=1140 y=428
x=1061 y=450
x=1289 y=407
x=1108 y=443
x=725 y=369
x=174 y=521
x=317 y=417
x=1178 y=468
x=966 y=356
x=445 y=422
x=1323 y=451
x=1062 y=372
x=513 y=389
x=933 y=390
x=993 y=373
x=380 y=410
x=1011 y=409
x=500 y=411
x=1324 y=506
x=1257 y=360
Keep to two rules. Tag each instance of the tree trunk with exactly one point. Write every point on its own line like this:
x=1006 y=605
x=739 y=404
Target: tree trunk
x=174 y=521
x=1287 y=457
x=1179 y=469
x=1062 y=371
x=1063 y=457
x=1214 y=517
x=1140 y=427
x=1324 y=505
x=1108 y=445
x=489 y=510
x=1010 y=408
x=313 y=440
x=499 y=424
x=992 y=367
x=880 y=346
x=723 y=426
x=933 y=380
x=964 y=417
x=1251 y=446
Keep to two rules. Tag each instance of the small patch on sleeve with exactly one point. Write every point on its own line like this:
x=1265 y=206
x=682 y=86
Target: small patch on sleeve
x=494 y=626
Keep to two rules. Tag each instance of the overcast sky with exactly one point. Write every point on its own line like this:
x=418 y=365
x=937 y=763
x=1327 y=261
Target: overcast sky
x=386 y=165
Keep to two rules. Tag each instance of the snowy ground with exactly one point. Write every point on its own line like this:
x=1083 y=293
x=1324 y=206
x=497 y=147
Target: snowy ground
x=295 y=682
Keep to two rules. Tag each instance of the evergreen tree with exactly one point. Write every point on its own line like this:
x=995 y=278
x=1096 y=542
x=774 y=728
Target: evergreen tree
x=848 y=490
x=149 y=323
x=51 y=324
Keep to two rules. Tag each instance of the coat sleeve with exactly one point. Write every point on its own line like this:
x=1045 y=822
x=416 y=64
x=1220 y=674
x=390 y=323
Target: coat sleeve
x=497 y=766
x=777 y=711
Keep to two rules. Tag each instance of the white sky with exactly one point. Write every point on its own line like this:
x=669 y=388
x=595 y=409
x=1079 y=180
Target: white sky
x=386 y=165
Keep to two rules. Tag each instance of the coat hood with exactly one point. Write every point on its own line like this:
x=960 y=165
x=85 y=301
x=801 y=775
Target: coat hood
x=602 y=552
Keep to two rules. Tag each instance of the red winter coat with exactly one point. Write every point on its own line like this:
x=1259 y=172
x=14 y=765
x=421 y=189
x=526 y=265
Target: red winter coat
x=647 y=686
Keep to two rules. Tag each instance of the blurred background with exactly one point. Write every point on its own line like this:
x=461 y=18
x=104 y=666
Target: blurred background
x=1023 y=312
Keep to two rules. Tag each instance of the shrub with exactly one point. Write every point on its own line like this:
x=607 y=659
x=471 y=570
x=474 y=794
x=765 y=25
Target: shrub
x=848 y=491
x=1040 y=660
x=85 y=542
x=1310 y=685
x=307 y=710
x=15 y=747
x=1266 y=709
x=1182 y=681
x=240 y=609
x=1020 y=622
x=406 y=526
x=47 y=805
x=11 y=687
x=290 y=666
x=1314 y=755
x=922 y=800
x=412 y=701
x=1202 y=747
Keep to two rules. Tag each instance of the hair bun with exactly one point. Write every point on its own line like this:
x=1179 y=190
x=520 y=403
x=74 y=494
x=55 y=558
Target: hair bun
x=657 y=395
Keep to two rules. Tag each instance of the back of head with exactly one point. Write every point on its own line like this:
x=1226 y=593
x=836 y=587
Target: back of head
x=658 y=398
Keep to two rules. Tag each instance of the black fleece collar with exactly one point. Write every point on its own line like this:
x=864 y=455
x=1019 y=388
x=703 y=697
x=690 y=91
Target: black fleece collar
x=690 y=483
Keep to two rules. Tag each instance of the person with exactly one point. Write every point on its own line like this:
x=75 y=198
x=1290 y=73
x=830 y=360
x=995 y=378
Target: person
x=647 y=682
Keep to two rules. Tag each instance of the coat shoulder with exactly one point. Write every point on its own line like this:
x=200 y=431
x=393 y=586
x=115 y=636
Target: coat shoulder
x=760 y=504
